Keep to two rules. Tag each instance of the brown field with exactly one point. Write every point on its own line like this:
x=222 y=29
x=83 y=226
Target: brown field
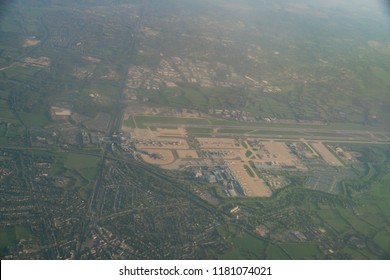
x=253 y=186
x=163 y=156
x=187 y=154
x=179 y=132
x=278 y=151
x=30 y=42
x=179 y=163
x=42 y=61
x=142 y=133
x=326 y=154
x=312 y=153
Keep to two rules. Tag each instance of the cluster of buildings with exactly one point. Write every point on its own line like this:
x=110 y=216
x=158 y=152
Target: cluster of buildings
x=237 y=115
x=223 y=176
x=176 y=70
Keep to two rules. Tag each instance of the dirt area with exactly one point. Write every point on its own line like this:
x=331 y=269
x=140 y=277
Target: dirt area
x=58 y=111
x=189 y=115
x=42 y=61
x=180 y=132
x=310 y=153
x=158 y=156
x=187 y=154
x=326 y=154
x=30 y=42
x=112 y=75
x=344 y=154
x=140 y=133
x=278 y=151
x=253 y=186
x=92 y=59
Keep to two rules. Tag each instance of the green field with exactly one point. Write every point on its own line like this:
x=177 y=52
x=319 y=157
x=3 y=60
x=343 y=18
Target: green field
x=7 y=115
x=275 y=252
x=9 y=236
x=15 y=131
x=130 y=122
x=3 y=129
x=303 y=251
x=358 y=224
x=193 y=97
x=234 y=130
x=279 y=132
x=333 y=219
x=199 y=130
x=86 y=165
x=248 y=153
x=249 y=171
x=34 y=119
x=4 y=141
x=382 y=239
x=81 y=169
x=245 y=247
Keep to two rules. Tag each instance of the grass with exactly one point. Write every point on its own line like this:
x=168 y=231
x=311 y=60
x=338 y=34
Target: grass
x=4 y=94
x=379 y=195
x=248 y=153
x=354 y=253
x=279 y=132
x=34 y=119
x=275 y=252
x=358 y=224
x=130 y=122
x=105 y=87
x=13 y=131
x=3 y=141
x=9 y=236
x=264 y=125
x=7 y=115
x=82 y=169
x=249 y=171
x=234 y=130
x=189 y=97
x=245 y=247
x=382 y=239
x=304 y=251
x=86 y=165
x=22 y=232
x=333 y=219
x=3 y=129
x=20 y=73
x=200 y=130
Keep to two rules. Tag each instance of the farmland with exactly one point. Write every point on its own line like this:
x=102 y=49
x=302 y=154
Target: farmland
x=194 y=130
